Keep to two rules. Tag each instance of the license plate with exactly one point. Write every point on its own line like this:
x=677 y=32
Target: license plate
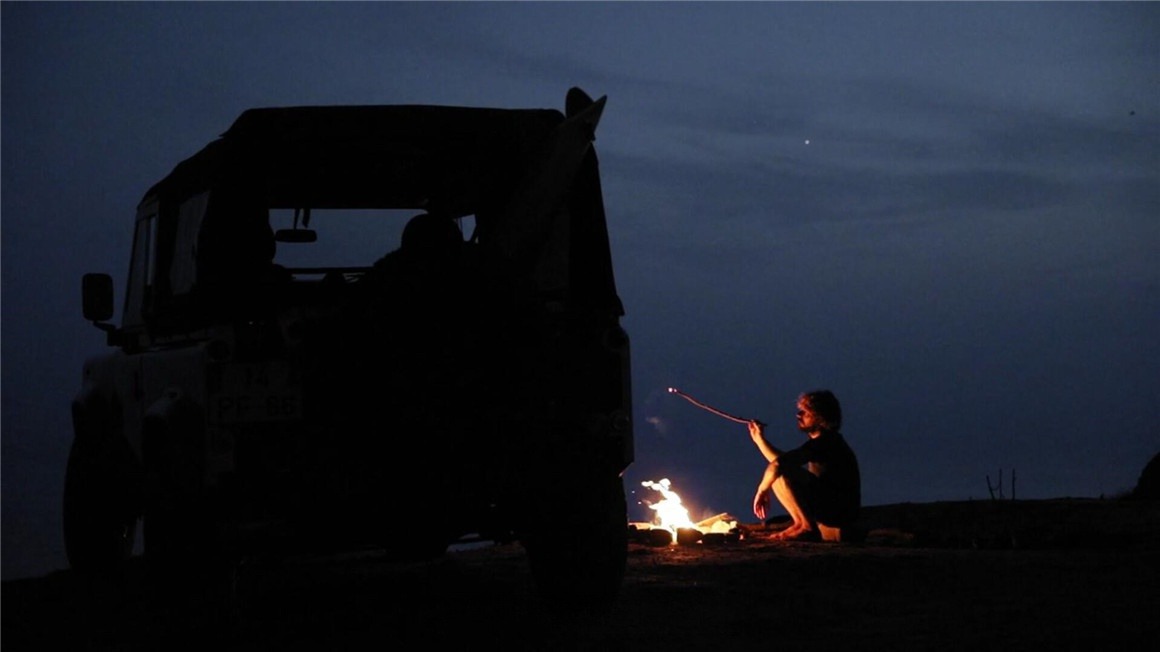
x=257 y=392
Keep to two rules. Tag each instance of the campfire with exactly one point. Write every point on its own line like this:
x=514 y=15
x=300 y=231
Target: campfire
x=672 y=524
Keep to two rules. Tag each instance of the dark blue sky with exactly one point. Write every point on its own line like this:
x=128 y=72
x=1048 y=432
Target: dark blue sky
x=947 y=213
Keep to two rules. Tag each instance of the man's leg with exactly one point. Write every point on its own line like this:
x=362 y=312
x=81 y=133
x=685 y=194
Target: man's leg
x=791 y=488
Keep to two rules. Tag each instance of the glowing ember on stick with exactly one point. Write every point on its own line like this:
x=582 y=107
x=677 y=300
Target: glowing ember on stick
x=674 y=390
x=671 y=514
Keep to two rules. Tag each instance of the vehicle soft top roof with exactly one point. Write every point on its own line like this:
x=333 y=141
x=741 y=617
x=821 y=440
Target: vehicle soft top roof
x=367 y=156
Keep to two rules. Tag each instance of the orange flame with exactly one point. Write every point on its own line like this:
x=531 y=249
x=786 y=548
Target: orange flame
x=671 y=514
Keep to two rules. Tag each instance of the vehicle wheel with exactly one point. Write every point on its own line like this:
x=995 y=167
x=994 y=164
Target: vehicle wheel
x=188 y=570
x=168 y=551
x=428 y=538
x=99 y=518
x=577 y=549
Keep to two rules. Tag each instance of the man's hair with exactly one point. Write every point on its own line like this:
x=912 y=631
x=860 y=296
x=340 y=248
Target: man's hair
x=825 y=406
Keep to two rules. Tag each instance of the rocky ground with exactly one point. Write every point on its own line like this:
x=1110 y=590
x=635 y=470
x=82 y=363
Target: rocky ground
x=982 y=575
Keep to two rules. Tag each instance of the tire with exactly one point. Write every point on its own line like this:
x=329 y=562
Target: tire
x=188 y=569
x=169 y=551
x=578 y=552
x=99 y=518
x=189 y=573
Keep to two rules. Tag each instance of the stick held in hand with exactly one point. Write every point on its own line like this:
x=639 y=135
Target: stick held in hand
x=674 y=390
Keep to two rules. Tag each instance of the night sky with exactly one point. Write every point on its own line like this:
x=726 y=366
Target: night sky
x=946 y=213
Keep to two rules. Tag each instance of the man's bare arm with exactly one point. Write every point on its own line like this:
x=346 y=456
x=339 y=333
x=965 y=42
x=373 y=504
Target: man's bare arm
x=764 y=491
x=757 y=434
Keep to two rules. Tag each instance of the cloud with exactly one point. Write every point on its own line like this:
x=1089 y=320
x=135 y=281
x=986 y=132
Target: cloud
x=658 y=424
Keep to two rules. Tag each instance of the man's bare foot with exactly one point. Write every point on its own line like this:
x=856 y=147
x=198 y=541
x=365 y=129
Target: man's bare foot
x=791 y=531
x=796 y=533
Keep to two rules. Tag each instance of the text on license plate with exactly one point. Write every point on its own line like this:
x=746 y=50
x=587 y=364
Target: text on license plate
x=252 y=393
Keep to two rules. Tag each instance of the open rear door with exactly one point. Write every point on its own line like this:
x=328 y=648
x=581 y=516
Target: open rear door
x=533 y=214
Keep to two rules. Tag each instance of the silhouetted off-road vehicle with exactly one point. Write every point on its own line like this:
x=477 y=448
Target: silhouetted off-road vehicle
x=286 y=377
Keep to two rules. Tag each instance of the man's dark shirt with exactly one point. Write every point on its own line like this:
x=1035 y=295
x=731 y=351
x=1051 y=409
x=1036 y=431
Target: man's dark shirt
x=832 y=461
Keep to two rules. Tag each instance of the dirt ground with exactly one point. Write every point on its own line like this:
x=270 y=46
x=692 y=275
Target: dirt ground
x=1031 y=575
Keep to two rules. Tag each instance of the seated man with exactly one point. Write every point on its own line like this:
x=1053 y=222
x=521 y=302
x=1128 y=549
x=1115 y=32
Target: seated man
x=234 y=258
x=828 y=489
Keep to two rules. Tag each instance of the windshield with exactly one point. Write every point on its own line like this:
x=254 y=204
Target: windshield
x=346 y=237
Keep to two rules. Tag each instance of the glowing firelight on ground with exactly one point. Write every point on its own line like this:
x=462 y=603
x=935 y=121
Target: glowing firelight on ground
x=671 y=514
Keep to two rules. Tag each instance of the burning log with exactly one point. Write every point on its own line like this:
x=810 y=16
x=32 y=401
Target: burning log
x=711 y=523
x=715 y=530
x=659 y=537
x=647 y=534
x=721 y=538
x=688 y=535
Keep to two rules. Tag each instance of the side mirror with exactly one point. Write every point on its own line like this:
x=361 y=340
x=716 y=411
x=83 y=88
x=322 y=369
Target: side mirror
x=295 y=235
x=97 y=297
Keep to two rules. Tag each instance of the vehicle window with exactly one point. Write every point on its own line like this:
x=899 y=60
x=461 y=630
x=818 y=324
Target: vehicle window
x=140 y=269
x=346 y=237
x=183 y=271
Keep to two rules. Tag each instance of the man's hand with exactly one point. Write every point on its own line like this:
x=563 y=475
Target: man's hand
x=757 y=434
x=756 y=430
x=761 y=503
